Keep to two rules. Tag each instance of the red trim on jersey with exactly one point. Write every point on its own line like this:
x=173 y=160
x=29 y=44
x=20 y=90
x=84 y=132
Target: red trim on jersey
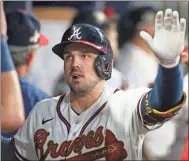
x=16 y=151
x=138 y=113
x=93 y=116
x=87 y=123
x=60 y=114
x=116 y=90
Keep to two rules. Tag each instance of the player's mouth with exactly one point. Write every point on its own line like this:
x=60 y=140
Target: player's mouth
x=76 y=76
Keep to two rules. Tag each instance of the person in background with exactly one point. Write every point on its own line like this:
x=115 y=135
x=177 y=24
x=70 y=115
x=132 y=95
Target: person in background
x=136 y=61
x=12 y=110
x=106 y=22
x=24 y=38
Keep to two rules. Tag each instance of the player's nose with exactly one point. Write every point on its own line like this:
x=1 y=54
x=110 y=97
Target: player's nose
x=76 y=61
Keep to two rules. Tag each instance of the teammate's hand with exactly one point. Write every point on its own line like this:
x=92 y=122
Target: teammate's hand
x=168 y=41
x=3 y=23
x=184 y=58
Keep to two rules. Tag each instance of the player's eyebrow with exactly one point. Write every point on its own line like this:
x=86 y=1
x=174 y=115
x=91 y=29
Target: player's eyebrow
x=66 y=52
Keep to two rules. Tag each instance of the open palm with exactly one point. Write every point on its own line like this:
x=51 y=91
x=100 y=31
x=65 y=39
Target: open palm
x=168 y=41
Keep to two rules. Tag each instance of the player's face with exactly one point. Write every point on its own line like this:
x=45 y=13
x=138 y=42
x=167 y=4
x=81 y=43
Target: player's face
x=79 y=69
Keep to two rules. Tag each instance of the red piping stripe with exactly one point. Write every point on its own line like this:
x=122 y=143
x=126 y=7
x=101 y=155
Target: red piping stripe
x=116 y=90
x=94 y=115
x=16 y=151
x=138 y=113
x=60 y=114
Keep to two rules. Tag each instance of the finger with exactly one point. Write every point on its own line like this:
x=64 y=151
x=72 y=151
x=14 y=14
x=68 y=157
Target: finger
x=159 y=20
x=175 y=21
x=182 y=25
x=146 y=37
x=167 y=19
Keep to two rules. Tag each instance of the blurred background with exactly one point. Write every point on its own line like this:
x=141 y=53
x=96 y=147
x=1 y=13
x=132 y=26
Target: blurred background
x=55 y=17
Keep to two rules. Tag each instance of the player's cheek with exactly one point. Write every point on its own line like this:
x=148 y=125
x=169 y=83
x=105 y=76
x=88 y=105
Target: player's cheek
x=67 y=74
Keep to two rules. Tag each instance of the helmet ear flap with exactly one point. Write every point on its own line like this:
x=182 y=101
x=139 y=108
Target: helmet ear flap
x=103 y=66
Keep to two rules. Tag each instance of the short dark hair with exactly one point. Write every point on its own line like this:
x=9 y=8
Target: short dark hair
x=19 y=54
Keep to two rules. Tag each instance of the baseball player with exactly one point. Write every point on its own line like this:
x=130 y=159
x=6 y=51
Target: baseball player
x=94 y=121
x=99 y=19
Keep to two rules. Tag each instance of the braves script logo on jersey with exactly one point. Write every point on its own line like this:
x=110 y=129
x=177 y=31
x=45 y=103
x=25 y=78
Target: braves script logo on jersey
x=76 y=34
x=112 y=150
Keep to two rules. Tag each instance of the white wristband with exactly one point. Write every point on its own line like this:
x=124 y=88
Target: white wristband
x=169 y=63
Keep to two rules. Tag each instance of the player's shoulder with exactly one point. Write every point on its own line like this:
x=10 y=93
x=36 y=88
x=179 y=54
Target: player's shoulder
x=129 y=96
x=137 y=90
x=123 y=103
x=132 y=92
x=47 y=104
x=45 y=108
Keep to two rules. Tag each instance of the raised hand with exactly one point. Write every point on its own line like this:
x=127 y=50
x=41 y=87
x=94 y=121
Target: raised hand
x=168 y=41
x=3 y=22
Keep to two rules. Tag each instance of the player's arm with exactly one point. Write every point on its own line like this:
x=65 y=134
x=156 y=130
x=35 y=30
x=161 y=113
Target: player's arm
x=167 y=96
x=7 y=151
x=12 y=116
x=21 y=146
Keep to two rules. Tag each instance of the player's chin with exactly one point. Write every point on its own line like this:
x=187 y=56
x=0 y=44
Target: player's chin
x=78 y=88
x=75 y=83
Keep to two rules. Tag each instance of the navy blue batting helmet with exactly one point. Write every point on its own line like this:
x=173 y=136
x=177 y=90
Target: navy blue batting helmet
x=94 y=37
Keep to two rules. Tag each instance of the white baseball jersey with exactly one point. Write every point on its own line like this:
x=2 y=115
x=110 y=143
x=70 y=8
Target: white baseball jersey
x=111 y=129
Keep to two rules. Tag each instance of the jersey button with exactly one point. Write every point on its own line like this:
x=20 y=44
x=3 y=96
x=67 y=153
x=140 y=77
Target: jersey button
x=77 y=122
x=74 y=133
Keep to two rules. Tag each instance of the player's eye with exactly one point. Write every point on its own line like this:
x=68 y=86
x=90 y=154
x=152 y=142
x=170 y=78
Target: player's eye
x=85 y=56
x=67 y=57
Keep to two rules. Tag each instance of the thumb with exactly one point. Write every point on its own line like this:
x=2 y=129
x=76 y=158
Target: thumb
x=146 y=37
